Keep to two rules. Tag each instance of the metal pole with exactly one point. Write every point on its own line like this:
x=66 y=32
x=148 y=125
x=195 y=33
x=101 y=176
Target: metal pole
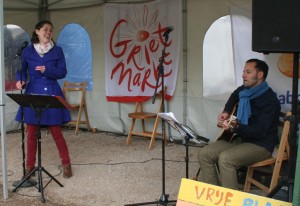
x=2 y=108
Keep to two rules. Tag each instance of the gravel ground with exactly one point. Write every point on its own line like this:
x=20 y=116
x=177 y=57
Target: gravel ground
x=106 y=170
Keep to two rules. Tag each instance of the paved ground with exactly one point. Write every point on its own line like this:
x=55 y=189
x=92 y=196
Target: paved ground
x=106 y=171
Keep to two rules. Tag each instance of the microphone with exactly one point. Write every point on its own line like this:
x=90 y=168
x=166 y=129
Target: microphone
x=21 y=49
x=168 y=30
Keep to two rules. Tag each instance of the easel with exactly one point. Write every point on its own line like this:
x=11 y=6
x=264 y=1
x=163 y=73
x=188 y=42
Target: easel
x=39 y=103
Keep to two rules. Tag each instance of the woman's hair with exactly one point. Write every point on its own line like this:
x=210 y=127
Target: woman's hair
x=38 y=26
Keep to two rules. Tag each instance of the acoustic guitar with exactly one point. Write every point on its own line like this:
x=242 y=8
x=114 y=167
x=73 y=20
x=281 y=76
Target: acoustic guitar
x=228 y=135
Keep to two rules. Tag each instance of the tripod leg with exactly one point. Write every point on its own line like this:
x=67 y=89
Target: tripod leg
x=41 y=189
x=25 y=180
x=187 y=157
x=40 y=178
x=52 y=178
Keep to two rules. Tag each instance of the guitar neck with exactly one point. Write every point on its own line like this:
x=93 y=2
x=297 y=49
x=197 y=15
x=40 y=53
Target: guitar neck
x=228 y=134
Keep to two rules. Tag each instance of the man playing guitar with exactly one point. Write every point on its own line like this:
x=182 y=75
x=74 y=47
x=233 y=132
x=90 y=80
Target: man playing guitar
x=254 y=128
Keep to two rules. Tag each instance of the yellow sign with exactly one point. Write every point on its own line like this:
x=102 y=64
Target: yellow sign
x=198 y=193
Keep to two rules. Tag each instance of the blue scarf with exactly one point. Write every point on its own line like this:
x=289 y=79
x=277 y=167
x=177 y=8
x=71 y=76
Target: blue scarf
x=244 y=109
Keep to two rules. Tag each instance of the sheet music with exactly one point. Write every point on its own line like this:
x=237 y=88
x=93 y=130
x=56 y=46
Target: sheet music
x=170 y=118
x=184 y=130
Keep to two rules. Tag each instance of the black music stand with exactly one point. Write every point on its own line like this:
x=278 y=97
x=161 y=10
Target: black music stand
x=187 y=133
x=163 y=200
x=39 y=103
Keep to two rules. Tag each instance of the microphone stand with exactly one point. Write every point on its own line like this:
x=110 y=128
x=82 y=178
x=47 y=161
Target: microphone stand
x=29 y=182
x=163 y=200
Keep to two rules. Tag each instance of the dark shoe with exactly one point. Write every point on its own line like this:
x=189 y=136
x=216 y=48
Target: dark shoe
x=28 y=171
x=67 y=171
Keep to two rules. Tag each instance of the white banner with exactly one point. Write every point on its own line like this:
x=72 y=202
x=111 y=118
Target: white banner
x=135 y=37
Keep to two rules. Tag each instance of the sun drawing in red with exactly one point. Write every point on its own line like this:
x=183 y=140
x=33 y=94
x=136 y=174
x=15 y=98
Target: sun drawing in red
x=136 y=43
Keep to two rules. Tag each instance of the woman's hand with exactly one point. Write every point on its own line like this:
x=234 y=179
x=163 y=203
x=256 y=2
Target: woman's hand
x=20 y=84
x=40 y=68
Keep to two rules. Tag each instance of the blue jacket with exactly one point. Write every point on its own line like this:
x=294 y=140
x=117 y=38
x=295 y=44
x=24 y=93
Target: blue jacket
x=262 y=128
x=43 y=83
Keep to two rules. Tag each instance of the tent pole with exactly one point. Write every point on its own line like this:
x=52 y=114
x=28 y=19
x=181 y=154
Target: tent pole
x=185 y=61
x=2 y=108
x=43 y=9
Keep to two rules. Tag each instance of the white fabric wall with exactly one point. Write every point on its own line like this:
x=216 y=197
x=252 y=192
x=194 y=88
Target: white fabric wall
x=110 y=116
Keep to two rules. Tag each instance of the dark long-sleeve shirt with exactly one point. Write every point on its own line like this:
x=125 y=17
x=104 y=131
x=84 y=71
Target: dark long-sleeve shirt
x=262 y=128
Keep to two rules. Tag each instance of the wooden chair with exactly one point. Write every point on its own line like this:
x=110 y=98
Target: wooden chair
x=72 y=89
x=140 y=114
x=275 y=161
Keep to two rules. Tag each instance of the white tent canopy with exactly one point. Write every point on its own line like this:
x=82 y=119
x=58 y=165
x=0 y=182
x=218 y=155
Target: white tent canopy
x=39 y=5
x=187 y=104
